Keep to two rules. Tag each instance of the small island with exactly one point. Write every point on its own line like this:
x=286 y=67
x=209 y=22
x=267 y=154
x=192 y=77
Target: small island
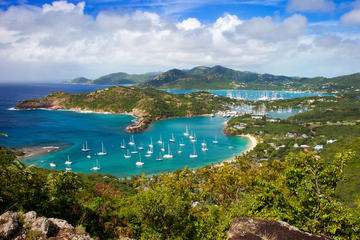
x=147 y=105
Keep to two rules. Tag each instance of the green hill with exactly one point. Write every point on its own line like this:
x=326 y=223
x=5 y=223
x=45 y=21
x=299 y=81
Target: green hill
x=115 y=79
x=146 y=104
x=219 y=77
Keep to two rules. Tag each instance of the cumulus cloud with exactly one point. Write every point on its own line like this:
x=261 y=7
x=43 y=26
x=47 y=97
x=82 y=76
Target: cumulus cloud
x=311 y=6
x=59 y=41
x=352 y=17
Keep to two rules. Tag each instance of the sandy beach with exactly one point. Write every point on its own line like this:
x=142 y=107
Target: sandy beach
x=251 y=145
x=38 y=151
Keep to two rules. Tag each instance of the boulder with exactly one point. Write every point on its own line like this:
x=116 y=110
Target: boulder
x=9 y=224
x=259 y=229
x=30 y=217
x=45 y=226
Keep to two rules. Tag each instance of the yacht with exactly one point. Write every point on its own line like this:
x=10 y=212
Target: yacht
x=96 y=167
x=151 y=143
x=68 y=161
x=139 y=163
x=204 y=148
x=127 y=155
x=193 y=155
x=159 y=158
x=215 y=140
x=52 y=165
x=172 y=139
x=132 y=142
x=186 y=133
x=85 y=147
x=160 y=141
x=123 y=145
x=168 y=155
x=102 y=153
x=163 y=148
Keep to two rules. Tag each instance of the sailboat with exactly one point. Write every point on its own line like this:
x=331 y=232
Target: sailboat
x=123 y=145
x=179 y=151
x=204 y=148
x=102 y=153
x=172 y=139
x=151 y=143
x=193 y=155
x=186 y=133
x=159 y=158
x=127 y=155
x=203 y=143
x=141 y=148
x=52 y=165
x=134 y=151
x=193 y=139
x=160 y=141
x=191 y=136
x=96 y=167
x=68 y=161
x=85 y=147
x=150 y=151
x=132 y=142
x=68 y=169
x=163 y=148
x=139 y=163
x=168 y=155
x=215 y=141
x=182 y=144
x=88 y=156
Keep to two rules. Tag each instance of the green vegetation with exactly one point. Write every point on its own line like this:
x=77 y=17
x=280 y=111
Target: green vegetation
x=115 y=79
x=224 y=78
x=147 y=104
x=328 y=118
x=188 y=204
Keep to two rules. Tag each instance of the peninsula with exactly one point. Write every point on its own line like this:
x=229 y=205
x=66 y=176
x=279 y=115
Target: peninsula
x=147 y=105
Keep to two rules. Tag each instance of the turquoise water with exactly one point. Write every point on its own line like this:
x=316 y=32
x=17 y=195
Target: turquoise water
x=109 y=130
x=69 y=130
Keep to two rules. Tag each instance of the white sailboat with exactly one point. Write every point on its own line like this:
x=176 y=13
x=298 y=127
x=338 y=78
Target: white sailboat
x=172 y=139
x=193 y=155
x=127 y=155
x=134 y=151
x=132 y=142
x=163 y=148
x=215 y=141
x=193 y=139
x=68 y=161
x=203 y=143
x=52 y=165
x=141 y=148
x=139 y=163
x=151 y=143
x=88 y=156
x=102 y=153
x=186 y=133
x=182 y=144
x=191 y=136
x=123 y=145
x=85 y=147
x=160 y=141
x=96 y=167
x=150 y=151
x=180 y=150
x=204 y=148
x=168 y=155
x=159 y=158
x=68 y=169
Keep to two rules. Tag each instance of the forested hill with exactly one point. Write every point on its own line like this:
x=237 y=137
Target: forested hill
x=115 y=79
x=219 y=77
x=146 y=104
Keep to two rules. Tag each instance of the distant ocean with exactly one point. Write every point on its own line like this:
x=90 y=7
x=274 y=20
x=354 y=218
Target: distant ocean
x=69 y=130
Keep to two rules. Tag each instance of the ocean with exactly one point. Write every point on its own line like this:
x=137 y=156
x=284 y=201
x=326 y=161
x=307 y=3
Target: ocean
x=69 y=130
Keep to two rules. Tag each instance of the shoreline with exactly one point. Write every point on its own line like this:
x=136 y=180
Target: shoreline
x=252 y=143
x=38 y=151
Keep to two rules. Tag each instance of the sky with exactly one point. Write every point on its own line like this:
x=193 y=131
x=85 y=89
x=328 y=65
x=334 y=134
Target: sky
x=51 y=41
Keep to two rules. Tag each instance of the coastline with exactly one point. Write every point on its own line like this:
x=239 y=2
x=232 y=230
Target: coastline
x=37 y=151
x=252 y=143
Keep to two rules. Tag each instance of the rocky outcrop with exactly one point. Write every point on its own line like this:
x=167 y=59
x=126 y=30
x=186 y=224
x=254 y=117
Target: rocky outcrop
x=139 y=126
x=34 y=104
x=21 y=226
x=258 y=229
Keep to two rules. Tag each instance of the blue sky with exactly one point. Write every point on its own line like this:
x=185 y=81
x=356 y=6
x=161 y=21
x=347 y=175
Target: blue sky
x=58 y=40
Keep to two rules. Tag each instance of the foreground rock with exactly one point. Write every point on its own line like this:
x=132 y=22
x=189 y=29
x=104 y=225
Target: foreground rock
x=29 y=226
x=258 y=229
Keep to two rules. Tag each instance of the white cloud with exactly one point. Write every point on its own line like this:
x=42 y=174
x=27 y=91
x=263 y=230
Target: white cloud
x=189 y=24
x=63 y=42
x=352 y=17
x=311 y=6
x=63 y=6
